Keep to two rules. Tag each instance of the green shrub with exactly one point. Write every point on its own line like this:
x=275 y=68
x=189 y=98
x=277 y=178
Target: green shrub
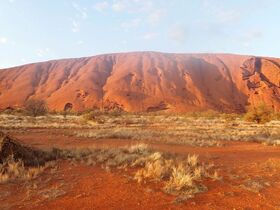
x=259 y=114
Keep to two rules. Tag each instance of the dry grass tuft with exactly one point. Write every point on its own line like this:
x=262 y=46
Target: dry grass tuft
x=155 y=169
x=180 y=176
x=140 y=148
x=180 y=180
x=255 y=185
x=197 y=129
x=11 y=169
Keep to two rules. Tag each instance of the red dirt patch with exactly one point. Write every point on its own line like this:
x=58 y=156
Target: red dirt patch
x=242 y=165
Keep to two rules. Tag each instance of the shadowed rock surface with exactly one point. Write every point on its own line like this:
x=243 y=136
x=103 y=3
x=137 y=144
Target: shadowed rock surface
x=146 y=81
x=30 y=156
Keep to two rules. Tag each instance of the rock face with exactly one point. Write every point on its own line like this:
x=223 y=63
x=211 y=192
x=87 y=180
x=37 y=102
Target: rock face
x=30 y=156
x=146 y=81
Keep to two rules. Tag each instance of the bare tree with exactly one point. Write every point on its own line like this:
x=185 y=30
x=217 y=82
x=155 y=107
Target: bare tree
x=36 y=107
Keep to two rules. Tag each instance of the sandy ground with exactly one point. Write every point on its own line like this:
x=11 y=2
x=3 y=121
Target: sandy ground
x=250 y=171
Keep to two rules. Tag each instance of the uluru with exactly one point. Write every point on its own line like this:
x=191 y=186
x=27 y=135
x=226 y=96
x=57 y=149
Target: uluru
x=146 y=81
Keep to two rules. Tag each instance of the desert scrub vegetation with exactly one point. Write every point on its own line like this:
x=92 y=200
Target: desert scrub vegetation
x=200 y=132
x=35 y=107
x=180 y=176
x=150 y=135
x=198 y=129
x=8 y=121
x=192 y=129
x=19 y=161
x=259 y=114
x=176 y=175
x=99 y=115
x=12 y=169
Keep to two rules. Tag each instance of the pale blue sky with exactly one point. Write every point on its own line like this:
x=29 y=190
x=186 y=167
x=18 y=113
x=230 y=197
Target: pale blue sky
x=38 y=30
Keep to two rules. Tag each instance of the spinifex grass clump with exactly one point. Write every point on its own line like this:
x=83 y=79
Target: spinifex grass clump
x=12 y=169
x=180 y=176
x=19 y=161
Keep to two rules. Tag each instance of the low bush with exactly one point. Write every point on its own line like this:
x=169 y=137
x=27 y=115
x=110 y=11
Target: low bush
x=12 y=169
x=36 y=107
x=259 y=114
x=180 y=176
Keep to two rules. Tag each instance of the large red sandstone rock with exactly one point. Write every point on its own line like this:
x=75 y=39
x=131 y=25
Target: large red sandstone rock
x=146 y=81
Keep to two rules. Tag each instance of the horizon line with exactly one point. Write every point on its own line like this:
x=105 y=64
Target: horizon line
x=131 y=52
